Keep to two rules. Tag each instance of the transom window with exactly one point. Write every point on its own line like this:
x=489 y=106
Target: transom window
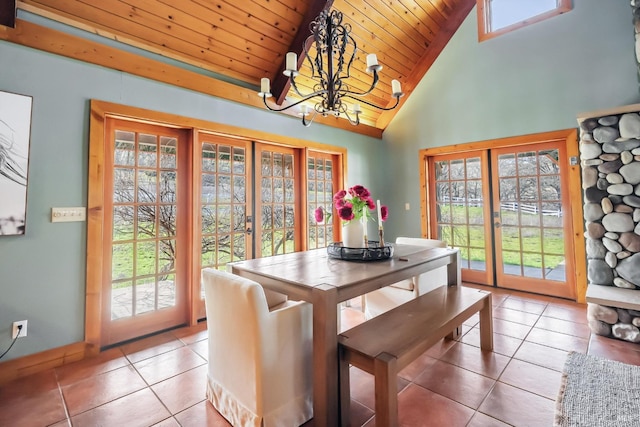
x=496 y=17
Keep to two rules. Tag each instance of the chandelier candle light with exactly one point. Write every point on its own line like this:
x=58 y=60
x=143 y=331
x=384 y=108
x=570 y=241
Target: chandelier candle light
x=335 y=51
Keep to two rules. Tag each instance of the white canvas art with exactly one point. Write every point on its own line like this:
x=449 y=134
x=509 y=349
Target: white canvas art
x=15 y=126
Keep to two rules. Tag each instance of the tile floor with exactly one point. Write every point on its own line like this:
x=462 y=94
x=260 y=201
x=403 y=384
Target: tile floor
x=160 y=381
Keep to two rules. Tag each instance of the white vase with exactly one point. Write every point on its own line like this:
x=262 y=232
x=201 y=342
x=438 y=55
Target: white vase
x=353 y=234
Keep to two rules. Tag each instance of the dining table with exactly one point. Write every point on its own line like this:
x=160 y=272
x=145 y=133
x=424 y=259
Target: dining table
x=325 y=282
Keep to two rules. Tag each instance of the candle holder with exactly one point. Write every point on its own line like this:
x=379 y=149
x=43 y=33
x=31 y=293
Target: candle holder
x=381 y=235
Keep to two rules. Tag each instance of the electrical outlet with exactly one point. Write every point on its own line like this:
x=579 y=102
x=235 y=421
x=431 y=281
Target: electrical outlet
x=23 y=331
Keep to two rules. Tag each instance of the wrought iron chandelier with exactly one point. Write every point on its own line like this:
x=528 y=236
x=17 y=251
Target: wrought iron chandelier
x=335 y=51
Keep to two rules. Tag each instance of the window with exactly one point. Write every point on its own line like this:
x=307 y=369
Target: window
x=496 y=17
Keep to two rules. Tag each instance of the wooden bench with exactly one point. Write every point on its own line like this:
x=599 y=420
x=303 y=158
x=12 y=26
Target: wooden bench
x=387 y=343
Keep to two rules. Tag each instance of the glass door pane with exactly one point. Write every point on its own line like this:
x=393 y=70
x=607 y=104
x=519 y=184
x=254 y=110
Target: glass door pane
x=321 y=185
x=277 y=188
x=459 y=211
x=147 y=285
x=225 y=218
x=529 y=220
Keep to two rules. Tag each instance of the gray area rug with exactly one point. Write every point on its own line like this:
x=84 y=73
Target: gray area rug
x=598 y=392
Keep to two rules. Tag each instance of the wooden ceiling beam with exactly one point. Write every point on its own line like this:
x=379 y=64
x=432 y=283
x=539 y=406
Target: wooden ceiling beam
x=70 y=46
x=280 y=85
x=8 y=13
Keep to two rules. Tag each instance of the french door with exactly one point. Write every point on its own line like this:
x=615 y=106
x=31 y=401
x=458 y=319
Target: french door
x=531 y=219
x=145 y=284
x=323 y=176
x=461 y=212
x=254 y=208
x=168 y=197
x=507 y=210
x=224 y=208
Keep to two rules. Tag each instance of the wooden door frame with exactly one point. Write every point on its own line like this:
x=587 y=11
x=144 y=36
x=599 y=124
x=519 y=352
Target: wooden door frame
x=196 y=176
x=519 y=282
x=570 y=137
x=474 y=276
x=112 y=330
x=99 y=112
x=338 y=182
x=298 y=193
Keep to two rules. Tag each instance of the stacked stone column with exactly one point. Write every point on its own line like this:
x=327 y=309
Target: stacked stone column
x=610 y=160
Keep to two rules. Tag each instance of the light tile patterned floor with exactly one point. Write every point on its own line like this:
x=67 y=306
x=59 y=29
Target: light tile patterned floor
x=160 y=381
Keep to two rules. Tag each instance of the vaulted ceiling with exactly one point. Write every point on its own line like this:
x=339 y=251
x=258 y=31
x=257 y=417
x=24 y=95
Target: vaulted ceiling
x=245 y=40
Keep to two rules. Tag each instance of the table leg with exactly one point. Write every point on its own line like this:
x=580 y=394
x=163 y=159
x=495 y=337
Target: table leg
x=326 y=397
x=454 y=274
x=454 y=278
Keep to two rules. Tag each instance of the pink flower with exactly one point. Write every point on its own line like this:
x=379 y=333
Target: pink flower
x=359 y=191
x=339 y=195
x=319 y=214
x=384 y=212
x=370 y=203
x=346 y=212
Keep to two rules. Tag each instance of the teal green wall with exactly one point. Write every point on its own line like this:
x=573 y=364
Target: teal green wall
x=42 y=274
x=535 y=79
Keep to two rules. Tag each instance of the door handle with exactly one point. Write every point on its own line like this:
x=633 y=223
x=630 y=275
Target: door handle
x=248 y=222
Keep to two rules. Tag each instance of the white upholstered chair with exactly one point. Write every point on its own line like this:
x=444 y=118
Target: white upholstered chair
x=260 y=360
x=386 y=298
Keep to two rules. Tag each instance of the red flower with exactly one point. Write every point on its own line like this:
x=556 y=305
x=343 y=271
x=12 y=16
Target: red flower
x=370 y=203
x=339 y=195
x=384 y=211
x=346 y=212
x=319 y=214
x=359 y=191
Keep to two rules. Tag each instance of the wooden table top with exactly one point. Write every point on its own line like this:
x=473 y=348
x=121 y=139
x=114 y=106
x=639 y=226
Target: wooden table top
x=308 y=269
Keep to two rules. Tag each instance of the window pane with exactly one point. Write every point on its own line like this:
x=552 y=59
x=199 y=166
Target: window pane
x=508 y=12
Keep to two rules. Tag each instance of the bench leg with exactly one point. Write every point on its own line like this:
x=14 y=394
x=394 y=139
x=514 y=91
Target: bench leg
x=455 y=334
x=486 y=325
x=385 y=371
x=345 y=390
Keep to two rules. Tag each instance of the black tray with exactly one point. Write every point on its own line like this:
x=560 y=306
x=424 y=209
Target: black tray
x=374 y=252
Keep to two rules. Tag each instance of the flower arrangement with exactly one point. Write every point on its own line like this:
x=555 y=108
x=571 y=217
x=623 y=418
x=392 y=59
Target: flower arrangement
x=355 y=203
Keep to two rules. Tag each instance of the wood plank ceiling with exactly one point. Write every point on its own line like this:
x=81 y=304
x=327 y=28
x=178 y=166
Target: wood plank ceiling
x=248 y=39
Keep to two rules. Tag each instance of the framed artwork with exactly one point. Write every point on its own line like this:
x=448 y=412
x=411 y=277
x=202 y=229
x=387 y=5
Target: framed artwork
x=15 y=134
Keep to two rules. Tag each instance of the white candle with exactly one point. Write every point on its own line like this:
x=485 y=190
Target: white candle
x=364 y=226
x=395 y=87
x=356 y=109
x=304 y=110
x=372 y=60
x=379 y=213
x=292 y=61
x=265 y=85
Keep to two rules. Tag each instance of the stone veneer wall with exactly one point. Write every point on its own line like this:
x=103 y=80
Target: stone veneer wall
x=610 y=160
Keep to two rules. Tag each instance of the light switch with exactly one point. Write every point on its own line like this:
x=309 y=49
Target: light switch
x=68 y=214
x=407 y=206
